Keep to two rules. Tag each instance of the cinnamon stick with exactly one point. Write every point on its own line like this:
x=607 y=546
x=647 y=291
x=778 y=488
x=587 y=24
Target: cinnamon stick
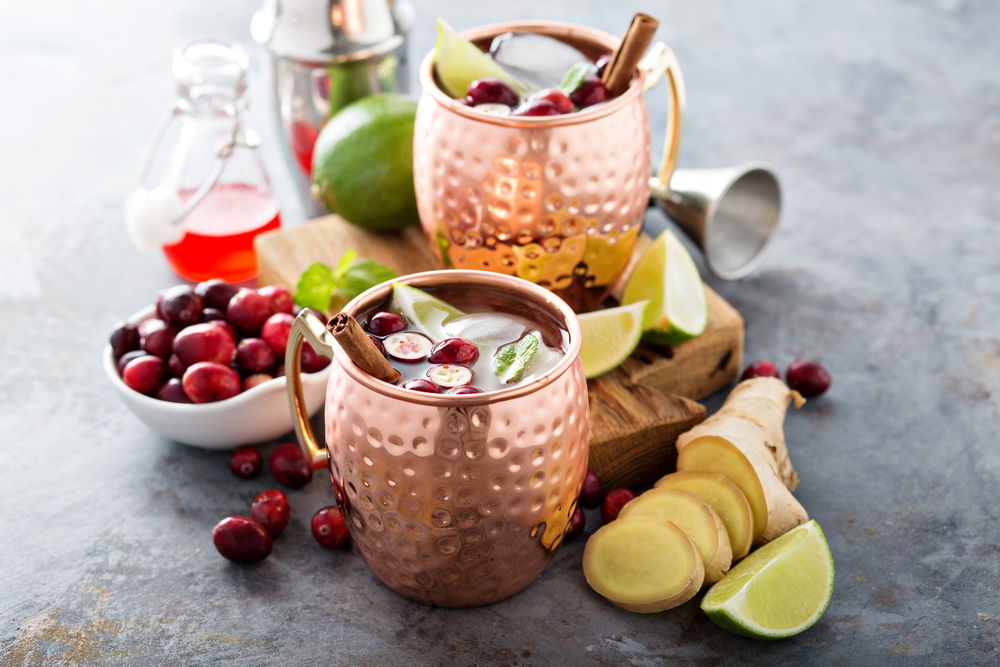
x=626 y=58
x=360 y=349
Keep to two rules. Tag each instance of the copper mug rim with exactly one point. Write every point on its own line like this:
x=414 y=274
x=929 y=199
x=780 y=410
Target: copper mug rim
x=555 y=29
x=537 y=296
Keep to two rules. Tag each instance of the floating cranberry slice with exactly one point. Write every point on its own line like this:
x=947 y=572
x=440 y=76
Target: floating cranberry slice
x=246 y=462
x=614 y=502
x=576 y=524
x=125 y=338
x=591 y=491
x=386 y=323
x=450 y=375
x=807 y=377
x=760 y=369
x=271 y=508
x=242 y=539
x=536 y=108
x=208 y=382
x=491 y=91
x=145 y=374
x=280 y=297
x=289 y=467
x=204 y=342
x=420 y=384
x=248 y=310
x=181 y=306
x=590 y=92
x=215 y=293
x=172 y=391
x=407 y=346
x=329 y=529
x=557 y=97
x=454 y=351
x=460 y=391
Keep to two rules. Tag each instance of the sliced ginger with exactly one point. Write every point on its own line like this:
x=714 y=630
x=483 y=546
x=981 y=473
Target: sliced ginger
x=722 y=496
x=643 y=564
x=698 y=521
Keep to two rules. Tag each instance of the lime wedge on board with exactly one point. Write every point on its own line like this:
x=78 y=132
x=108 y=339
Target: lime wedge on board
x=459 y=62
x=425 y=311
x=609 y=336
x=667 y=277
x=777 y=591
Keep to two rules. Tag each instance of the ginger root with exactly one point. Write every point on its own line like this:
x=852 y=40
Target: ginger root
x=719 y=493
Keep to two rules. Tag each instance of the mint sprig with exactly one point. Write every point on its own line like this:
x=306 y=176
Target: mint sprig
x=319 y=284
x=510 y=361
x=574 y=77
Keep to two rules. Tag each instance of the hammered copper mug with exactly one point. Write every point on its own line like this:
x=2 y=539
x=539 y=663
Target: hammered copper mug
x=454 y=501
x=556 y=200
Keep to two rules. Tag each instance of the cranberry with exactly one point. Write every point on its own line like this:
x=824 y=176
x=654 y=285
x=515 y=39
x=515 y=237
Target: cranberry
x=289 y=467
x=212 y=315
x=386 y=323
x=807 y=377
x=465 y=102
x=225 y=326
x=125 y=338
x=129 y=356
x=465 y=390
x=329 y=529
x=204 y=342
x=536 y=108
x=408 y=346
x=158 y=302
x=181 y=306
x=157 y=337
x=215 y=293
x=454 y=351
x=242 y=539
x=280 y=297
x=420 y=384
x=279 y=371
x=377 y=343
x=176 y=366
x=760 y=369
x=145 y=374
x=246 y=462
x=172 y=391
x=614 y=502
x=447 y=376
x=207 y=382
x=275 y=332
x=271 y=509
x=576 y=524
x=590 y=92
x=491 y=91
x=312 y=362
x=602 y=64
x=591 y=491
x=557 y=97
x=254 y=355
x=248 y=310
x=255 y=380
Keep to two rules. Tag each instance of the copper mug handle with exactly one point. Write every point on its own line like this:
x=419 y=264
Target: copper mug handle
x=661 y=62
x=306 y=327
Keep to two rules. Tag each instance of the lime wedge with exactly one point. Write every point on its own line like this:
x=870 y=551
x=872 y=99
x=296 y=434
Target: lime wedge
x=777 y=591
x=459 y=62
x=424 y=311
x=609 y=336
x=667 y=277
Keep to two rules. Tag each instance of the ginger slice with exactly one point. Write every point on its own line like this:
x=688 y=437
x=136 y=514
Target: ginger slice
x=696 y=518
x=722 y=496
x=643 y=565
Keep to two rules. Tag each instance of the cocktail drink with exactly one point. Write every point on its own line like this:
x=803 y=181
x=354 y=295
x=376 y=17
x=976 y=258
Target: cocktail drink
x=457 y=484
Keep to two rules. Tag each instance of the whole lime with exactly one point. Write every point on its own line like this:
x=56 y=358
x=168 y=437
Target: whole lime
x=363 y=163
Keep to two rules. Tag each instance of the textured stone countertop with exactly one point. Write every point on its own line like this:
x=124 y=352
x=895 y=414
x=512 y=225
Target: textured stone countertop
x=883 y=122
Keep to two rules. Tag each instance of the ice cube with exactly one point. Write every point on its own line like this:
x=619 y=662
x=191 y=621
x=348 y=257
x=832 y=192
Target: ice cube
x=538 y=59
x=545 y=359
x=487 y=331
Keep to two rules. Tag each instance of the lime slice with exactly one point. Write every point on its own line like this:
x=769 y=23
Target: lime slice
x=777 y=591
x=609 y=336
x=667 y=277
x=424 y=311
x=459 y=62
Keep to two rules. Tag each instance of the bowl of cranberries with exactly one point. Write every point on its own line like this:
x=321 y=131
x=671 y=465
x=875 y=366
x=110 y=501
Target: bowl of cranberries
x=204 y=365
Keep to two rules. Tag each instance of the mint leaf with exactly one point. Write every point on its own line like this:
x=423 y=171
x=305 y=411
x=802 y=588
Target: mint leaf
x=319 y=284
x=315 y=288
x=511 y=360
x=344 y=264
x=363 y=275
x=574 y=77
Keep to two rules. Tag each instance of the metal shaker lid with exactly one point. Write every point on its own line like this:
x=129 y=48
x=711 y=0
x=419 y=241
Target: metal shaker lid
x=325 y=31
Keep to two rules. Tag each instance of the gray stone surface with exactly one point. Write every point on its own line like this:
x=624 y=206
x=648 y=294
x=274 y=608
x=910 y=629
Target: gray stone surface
x=883 y=121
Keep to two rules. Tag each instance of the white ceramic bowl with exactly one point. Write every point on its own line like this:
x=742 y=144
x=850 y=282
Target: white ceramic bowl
x=251 y=416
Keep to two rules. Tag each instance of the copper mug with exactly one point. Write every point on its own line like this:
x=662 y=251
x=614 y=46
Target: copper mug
x=556 y=200
x=454 y=501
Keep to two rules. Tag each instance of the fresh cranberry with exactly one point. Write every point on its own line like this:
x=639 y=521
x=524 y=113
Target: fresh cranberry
x=377 y=343
x=590 y=92
x=536 y=108
x=279 y=371
x=312 y=362
x=172 y=391
x=614 y=502
x=145 y=374
x=176 y=366
x=760 y=369
x=601 y=65
x=215 y=293
x=125 y=338
x=289 y=467
x=212 y=315
x=204 y=342
x=272 y=510
x=576 y=524
x=129 y=356
x=807 y=377
x=275 y=332
x=386 y=323
x=280 y=297
x=158 y=302
x=157 y=337
x=491 y=91
x=225 y=326
x=246 y=462
x=465 y=102
x=208 y=382
x=420 y=384
x=254 y=355
x=255 y=380
x=465 y=390
x=454 y=351
x=242 y=539
x=557 y=97
x=329 y=529
x=181 y=306
x=591 y=491
x=248 y=310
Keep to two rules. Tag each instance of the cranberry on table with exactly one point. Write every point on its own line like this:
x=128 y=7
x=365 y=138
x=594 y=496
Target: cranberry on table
x=248 y=310
x=242 y=539
x=279 y=296
x=172 y=391
x=208 y=382
x=246 y=462
x=491 y=91
x=557 y=97
x=129 y=356
x=465 y=390
x=420 y=384
x=181 y=306
x=255 y=380
x=271 y=508
x=386 y=323
x=212 y=315
x=590 y=92
x=204 y=342
x=613 y=503
x=125 y=338
x=145 y=374
x=760 y=369
x=591 y=491
x=454 y=351
x=536 y=108
x=807 y=377
x=254 y=355
x=289 y=467
x=215 y=293
x=329 y=529
x=312 y=361
x=275 y=332
x=176 y=366
x=157 y=337
x=576 y=524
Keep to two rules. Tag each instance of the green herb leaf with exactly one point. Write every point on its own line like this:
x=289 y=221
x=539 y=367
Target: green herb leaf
x=315 y=288
x=319 y=284
x=511 y=360
x=574 y=77
x=363 y=275
x=344 y=264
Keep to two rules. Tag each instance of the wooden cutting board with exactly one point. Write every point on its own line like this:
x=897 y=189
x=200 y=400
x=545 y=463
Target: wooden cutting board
x=636 y=411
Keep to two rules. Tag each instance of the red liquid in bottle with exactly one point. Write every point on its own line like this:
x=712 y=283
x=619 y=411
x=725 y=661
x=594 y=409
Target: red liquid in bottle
x=218 y=242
